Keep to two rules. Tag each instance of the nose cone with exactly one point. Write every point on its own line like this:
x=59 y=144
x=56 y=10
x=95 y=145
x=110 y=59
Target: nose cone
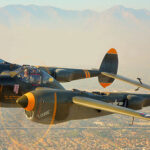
x=27 y=101
x=22 y=101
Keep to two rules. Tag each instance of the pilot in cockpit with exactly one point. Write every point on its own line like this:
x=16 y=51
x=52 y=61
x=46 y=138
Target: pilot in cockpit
x=25 y=73
x=35 y=76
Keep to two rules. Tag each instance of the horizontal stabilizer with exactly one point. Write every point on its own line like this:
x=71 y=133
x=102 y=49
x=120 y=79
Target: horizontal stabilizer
x=96 y=104
x=130 y=81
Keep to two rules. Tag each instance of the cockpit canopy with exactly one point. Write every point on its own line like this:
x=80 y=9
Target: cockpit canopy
x=33 y=75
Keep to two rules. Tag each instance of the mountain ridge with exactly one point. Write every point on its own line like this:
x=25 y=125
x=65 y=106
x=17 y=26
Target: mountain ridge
x=35 y=14
x=53 y=7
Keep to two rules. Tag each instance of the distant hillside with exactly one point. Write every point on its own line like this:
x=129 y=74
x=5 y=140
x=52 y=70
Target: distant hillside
x=126 y=16
x=33 y=14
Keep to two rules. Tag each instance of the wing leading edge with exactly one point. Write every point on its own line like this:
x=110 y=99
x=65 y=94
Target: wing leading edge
x=95 y=104
x=127 y=80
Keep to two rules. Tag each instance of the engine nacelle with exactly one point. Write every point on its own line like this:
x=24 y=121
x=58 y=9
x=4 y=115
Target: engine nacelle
x=43 y=110
x=67 y=75
x=48 y=107
x=135 y=102
x=63 y=76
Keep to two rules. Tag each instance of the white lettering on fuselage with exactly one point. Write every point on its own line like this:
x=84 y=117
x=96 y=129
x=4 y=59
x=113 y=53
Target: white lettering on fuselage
x=43 y=114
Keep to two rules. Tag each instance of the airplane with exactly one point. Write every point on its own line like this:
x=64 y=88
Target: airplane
x=38 y=90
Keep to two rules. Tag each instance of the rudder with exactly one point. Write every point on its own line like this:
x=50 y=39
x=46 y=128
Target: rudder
x=110 y=65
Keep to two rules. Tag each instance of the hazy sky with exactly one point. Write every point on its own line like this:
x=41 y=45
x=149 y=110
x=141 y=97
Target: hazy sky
x=78 y=48
x=97 y=5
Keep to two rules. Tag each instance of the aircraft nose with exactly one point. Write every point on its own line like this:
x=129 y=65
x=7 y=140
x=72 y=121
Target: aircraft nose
x=22 y=101
x=27 y=101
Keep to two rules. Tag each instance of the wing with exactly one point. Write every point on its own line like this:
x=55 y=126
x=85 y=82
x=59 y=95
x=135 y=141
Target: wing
x=8 y=77
x=10 y=73
x=3 y=62
x=130 y=81
x=92 y=103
